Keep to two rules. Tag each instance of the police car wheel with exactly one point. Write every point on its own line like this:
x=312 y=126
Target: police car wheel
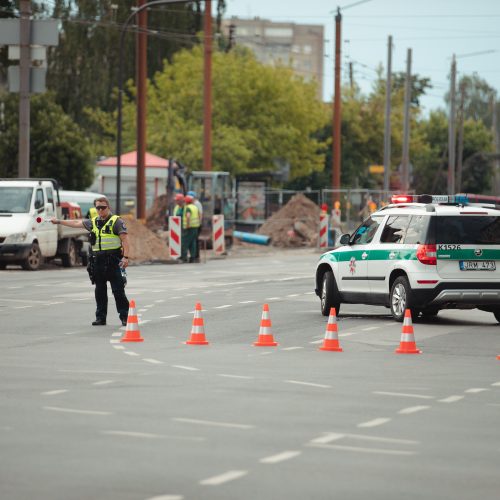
x=497 y=315
x=401 y=299
x=329 y=294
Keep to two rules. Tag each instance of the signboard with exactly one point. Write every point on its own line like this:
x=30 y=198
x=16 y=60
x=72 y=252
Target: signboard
x=43 y=32
x=251 y=201
x=37 y=79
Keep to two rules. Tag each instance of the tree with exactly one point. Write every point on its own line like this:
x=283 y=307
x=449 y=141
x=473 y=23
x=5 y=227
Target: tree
x=59 y=148
x=260 y=115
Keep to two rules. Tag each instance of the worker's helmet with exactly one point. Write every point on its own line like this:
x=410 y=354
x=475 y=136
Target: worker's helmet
x=179 y=197
x=188 y=199
x=192 y=193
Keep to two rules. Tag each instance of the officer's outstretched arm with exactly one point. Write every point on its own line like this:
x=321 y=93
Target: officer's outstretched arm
x=76 y=223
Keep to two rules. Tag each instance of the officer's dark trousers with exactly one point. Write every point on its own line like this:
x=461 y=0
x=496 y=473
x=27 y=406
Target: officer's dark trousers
x=108 y=269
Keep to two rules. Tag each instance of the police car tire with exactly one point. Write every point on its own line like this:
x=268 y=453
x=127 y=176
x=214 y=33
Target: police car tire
x=402 y=288
x=497 y=315
x=329 y=294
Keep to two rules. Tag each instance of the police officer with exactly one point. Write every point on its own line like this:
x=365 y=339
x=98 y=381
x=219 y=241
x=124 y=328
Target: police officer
x=110 y=249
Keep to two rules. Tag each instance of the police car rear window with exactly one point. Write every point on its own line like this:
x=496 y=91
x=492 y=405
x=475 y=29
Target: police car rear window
x=468 y=230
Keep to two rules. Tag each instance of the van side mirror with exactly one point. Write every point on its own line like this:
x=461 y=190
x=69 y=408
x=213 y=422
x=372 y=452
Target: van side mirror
x=344 y=239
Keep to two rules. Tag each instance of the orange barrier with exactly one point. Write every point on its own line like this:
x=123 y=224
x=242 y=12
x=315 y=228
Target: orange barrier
x=331 y=341
x=198 y=328
x=265 y=338
x=407 y=344
x=132 y=333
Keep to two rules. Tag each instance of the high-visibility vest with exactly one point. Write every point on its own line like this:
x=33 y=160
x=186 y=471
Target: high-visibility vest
x=194 y=220
x=93 y=212
x=105 y=239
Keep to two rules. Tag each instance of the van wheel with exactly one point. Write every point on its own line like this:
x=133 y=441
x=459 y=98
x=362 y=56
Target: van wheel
x=329 y=294
x=34 y=259
x=497 y=315
x=402 y=299
x=70 y=259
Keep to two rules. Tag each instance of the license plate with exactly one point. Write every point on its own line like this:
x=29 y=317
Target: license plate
x=477 y=265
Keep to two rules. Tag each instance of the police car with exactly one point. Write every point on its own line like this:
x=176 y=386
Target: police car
x=421 y=252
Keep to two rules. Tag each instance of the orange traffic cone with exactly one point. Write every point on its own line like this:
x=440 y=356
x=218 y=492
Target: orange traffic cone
x=407 y=344
x=198 y=328
x=498 y=357
x=132 y=333
x=331 y=341
x=265 y=338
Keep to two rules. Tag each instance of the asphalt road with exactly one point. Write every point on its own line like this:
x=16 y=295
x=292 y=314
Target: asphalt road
x=84 y=416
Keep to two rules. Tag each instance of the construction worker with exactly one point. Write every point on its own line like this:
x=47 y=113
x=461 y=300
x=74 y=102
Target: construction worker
x=190 y=224
x=335 y=226
x=110 y=254
x=199 y=206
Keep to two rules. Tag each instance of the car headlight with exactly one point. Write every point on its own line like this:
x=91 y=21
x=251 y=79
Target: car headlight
x=16 y=238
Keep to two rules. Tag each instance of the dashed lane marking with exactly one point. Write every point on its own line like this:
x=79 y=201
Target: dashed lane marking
x=159 y=301
x=149 y=435
x=413 y=409
x=273 y=298
x=380 y=451
x=116 y=334
x=223 y=307
x=228 y=375
x=54 y=392
x=230 y=475
x=375 y=422
x=496 y=384
x=293 y=295
x=153 y=361
x=22 y=307
x=370 y=328
x=311 y=384
x=171 y=316
x=114 y=341
x=103 y=382
x=403 y=395
x=293 y=348
x=335 y=436
x=166 y=497
x=212 y=423
x=280 y=457
x=119 y=347
x=247 y=302
x=189 y=368
x=451 y=399
x=475 y=390
x=74 y=410
x=131 y=353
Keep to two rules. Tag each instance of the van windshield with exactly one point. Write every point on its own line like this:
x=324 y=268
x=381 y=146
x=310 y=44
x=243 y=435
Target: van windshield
x=15 y=200
x=468 y=230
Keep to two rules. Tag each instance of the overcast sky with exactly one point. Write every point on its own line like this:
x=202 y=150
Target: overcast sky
x=433 y=29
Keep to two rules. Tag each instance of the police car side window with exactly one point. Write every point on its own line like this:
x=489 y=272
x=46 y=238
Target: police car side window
x=417 y=231
x=365 y=233
x=394 y=229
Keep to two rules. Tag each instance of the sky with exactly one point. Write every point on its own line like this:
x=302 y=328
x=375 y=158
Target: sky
x=433 y=29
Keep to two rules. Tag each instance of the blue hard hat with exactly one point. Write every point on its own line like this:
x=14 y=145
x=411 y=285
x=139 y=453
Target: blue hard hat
x=192 y=193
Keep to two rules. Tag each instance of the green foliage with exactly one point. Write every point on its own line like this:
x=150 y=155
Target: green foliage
x=260 y=115
x=59 y=148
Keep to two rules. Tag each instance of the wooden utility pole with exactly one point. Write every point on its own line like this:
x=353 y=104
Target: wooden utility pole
x=336 y=142
x=141 y=76
x=207 y=88
x=494 y=131
x=24 y=89
x=451 y=128
x=460 y=138
x=387 y=128
x=405 y=163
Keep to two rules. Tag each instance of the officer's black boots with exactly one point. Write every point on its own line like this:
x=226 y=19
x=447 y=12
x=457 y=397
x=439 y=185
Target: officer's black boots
x=99 y=322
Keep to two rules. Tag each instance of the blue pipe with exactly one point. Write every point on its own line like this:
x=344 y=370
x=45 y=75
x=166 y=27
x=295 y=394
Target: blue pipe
x=260 y=239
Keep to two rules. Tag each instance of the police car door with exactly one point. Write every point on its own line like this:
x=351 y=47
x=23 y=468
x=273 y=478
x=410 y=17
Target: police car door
x=353 y=265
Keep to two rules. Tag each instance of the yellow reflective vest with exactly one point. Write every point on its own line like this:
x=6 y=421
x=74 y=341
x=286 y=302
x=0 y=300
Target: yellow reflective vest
x=194 y=220
x=93 y=212
x=105 y=239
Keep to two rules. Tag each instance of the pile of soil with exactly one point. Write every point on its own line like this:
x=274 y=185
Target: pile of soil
x=145 y=245
x=155 y=219
x=294 y=225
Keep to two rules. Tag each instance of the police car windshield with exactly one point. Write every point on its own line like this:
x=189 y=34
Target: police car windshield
x=468 y=230
x=15 y=200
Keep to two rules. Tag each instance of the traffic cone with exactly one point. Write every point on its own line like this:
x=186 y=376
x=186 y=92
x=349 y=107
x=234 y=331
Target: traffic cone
x=198 y=328
x=265 y=338
x=498 y=357
x=407 y=344
x=132 y=333
x=331 y=341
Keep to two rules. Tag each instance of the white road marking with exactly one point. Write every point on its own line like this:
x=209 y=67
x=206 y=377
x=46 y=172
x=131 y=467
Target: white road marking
x=280 y=457
x=13 y=287
x=451 y=399
x=190 y=368
x=69 y=333
x=172 y=298
x=235 y=376
x=369 y=328
x=166 y=497
x=144 y=321
x=54 y=392
x=116 y=334
x=291 y=348
x=403 y=395
x=142 y=310
x=316 y=341
x=152 y=361
x=273 y=298
x=247 y=302
x=309 y=293
x=159 y=301
x=230 y=475
x=223 y=307
x=475 y=390
x=119 y=347
x=293 y=295
x=131 y=353
x=22 y=307
x=103 y=382
x=114 y=341
x=212 y=423
x=348 y=334
x=149 y=435
x=375 y=422
x=359 y=449
x=412 y=409
x=266 y=353
x=53 y=303
x=170 y=317
x=496 y=384
x=311 y=384
x=73 y=410
x=335 y=436
x=327 y=438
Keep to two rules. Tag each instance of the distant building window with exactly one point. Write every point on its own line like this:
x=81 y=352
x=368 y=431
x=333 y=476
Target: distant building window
x=241 y=31
x=279 y=32
x=296 y=49
x=307 y=49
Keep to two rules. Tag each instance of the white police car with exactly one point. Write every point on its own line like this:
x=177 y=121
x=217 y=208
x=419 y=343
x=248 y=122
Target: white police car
x=424 y=253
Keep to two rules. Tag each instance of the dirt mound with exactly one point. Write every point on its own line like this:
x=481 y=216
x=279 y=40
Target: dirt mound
x=156 y=214
x=294 y=225
x=145 y=245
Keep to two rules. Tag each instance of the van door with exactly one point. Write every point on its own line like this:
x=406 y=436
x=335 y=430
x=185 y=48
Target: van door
x=43 y=229
x=50 y=211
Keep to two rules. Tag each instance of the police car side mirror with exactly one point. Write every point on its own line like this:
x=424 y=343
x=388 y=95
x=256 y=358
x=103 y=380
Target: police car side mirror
x=344 y=239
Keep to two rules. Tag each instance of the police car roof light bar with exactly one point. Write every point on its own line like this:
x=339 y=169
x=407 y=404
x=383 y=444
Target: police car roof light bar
x=458 y=199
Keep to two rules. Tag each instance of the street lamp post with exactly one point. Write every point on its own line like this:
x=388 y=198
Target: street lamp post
x=119 y=119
